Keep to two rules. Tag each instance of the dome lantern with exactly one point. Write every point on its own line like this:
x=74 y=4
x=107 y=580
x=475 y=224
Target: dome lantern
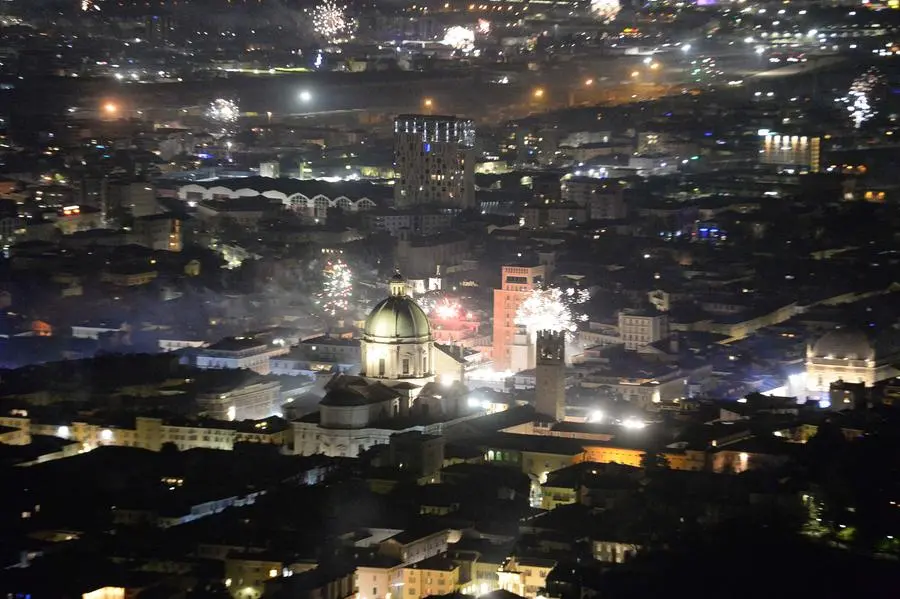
x=397 y=285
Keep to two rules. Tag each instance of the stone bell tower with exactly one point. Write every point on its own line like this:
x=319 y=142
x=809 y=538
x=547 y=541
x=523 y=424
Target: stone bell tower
x=550 y=374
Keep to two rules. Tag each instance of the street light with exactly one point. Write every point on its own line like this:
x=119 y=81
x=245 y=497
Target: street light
x=635 y=74
x=110 y=108
x=539 y=93
x=588 y=82
x=305 y=96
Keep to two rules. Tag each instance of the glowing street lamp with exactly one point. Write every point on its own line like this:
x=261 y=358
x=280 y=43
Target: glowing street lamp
x=305 y=96
x=588 y=82
x=538 y=93
x=110 y=108
x=635 y=74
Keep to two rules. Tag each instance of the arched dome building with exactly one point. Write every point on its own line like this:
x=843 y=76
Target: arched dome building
x=850 y=355
x=397 y=342
x=400 y=363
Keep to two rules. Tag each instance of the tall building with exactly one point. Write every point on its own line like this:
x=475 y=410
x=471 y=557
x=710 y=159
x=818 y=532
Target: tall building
x=550 y=374
x=121 y=199
x=158 y=231
x=517 y=282
x=435 y=161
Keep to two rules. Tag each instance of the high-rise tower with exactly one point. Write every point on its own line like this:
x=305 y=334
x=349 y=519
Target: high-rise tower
x=516 y=284
x=435 y=161
x=550 y=374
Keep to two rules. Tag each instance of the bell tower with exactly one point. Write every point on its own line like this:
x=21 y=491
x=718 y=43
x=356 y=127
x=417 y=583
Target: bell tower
x=550 y=374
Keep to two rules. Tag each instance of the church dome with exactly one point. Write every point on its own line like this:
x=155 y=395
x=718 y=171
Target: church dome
x=398 y=317
x=844 y=343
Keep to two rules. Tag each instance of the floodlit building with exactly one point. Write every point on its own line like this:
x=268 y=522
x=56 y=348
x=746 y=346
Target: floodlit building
x=800 y=152
x=850 y=356
x=435 y=161
x=254 y=400
x=637 y=328
x=517 y=282
x=238 y=353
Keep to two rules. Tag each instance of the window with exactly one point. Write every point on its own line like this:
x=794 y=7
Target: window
x=381 y=367
x=405 y=365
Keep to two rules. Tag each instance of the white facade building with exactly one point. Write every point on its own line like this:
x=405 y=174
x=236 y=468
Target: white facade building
x=238 y=353
x=638 y=329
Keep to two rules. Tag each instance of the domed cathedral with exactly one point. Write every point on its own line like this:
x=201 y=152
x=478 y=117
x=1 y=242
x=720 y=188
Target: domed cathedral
x=407 y=383
x=397 y=344
x=852 y=356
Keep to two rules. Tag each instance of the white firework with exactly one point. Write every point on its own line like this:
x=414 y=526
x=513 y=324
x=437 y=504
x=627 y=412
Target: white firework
x=459 y=38
x=551 y=309
x=605 y=10
x=330 y=21
x=337 y=287
x=223 y=111
x=859 y=97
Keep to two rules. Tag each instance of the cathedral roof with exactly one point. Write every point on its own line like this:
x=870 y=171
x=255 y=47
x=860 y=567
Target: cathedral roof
x=846 y=343
x=398 y=317
x=348 y=390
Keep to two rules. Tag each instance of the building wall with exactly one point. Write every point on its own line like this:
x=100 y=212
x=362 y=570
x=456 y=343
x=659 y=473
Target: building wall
x=822 y=372
x=637 y=330
x=517 y=282
x=421 y=258
x=524 y=579
x=554 y=217
x=315 y=206
x=256 y=359
x=397 y=360
x=375 y=582
x=310 y=439
x=249 y=402
x=420 y=582
x=550 y=375
x=553 y=497
x=247 y=576
x=613 y=552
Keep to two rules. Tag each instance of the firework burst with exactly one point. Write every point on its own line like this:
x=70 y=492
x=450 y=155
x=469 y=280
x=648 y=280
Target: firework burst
x=446 y=309
x=459 y=38
x=223 y=111
x=859 y=99
x=552 y=309
x=330 y=21
x=337 y=287
x=605 y=10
